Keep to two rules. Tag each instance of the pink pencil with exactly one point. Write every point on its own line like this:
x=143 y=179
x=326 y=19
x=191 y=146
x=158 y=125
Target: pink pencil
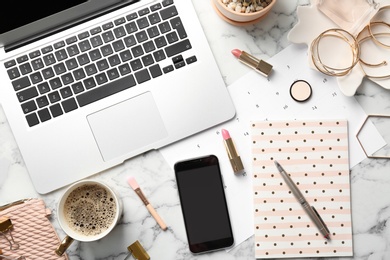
x=133 y=183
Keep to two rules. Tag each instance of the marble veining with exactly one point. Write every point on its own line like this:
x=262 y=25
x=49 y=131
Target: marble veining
x=370 y=180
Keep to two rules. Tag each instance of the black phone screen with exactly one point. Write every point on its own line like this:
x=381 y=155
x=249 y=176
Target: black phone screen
x=203 y=203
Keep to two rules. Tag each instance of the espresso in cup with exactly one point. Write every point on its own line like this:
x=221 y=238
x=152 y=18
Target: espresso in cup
x=87 y=212
x=90 y=209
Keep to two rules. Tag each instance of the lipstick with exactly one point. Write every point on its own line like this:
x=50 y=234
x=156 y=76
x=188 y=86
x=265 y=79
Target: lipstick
x=235 y=159
x=258 y=65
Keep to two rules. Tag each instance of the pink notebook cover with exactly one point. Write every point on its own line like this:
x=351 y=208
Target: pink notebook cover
x=315 y=154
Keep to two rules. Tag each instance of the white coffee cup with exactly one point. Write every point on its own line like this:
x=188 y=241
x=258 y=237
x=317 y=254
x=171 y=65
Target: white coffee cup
x=79 y=217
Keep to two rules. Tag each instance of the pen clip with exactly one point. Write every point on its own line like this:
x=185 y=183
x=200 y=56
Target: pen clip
x=319 y=217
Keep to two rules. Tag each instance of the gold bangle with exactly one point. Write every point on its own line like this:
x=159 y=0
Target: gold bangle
x=346 y=37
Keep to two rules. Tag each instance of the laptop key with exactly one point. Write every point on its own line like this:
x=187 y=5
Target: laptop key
x=136 y=64
x=118 y=45
x=131 y=16
x=155 y=7
x=96 y=41
x=95 y=30
x=55 y=83
x=101 y=78
x=178 y=48
x=168 y=69
x=47 y=49
x=168 y=12
x=59 y=68
x=102 y=64
x=131 y=27
x=49 y=59
x=106 y=90
x=191 y=59
x=21 y=83
x=83 y=59
x=9 y=64
x=124 y=69
x=66 y=92
x=29 y=107
x=61 y=55
x=155 y=70
x=113 y=74
x=106 y=50
x=44 y=114
x=22 y=59
x=83 y=35
x=89 y=83
x=119 y=21
x=143 y=11
x=90 y=69
x=130 y=41
x=25 y=68
x=43 y=88
x=95 y=54
x=36 y=77
x=48 y=73
x=32 y=119
x=54 y=97
x=178 y=25
x=119 y=32
x=59 y=45
x=108 y=36
x=37 y=64
x=56 y=110
x=71 y=64
x=79 y=74
x=84 y=45
x=72 y=50
x=167 y=2
x=142 y=22
x=67 y=78
x=107 y=26
x=142 y=76
x=13 y=73
x=69 y=105
x=34 y=54
x=27 y=94
x=42 y=101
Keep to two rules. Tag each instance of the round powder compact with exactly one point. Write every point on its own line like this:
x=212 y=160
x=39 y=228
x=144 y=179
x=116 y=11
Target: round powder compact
x=300 y=90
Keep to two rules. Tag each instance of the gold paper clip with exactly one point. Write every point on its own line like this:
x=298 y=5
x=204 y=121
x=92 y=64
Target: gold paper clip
x=6 y=227
x=10 y=258
x=137 y=251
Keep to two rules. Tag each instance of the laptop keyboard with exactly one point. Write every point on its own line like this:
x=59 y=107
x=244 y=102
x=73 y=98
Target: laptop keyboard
x=100 y=62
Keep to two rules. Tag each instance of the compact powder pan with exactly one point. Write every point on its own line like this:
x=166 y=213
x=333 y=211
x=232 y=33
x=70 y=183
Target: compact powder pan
x=300 y=90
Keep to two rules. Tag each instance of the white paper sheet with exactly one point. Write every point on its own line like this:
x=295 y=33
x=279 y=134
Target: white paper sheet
x=258 y=98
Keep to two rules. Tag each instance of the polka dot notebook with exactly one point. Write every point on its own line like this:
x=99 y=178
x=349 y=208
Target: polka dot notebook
x=315 y=154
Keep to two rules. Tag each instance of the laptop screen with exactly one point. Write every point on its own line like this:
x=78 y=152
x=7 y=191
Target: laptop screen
x=33 y=11
x=24 y=21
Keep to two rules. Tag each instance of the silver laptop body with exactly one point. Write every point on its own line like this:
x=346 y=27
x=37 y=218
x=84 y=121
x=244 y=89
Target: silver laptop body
x=145 y=94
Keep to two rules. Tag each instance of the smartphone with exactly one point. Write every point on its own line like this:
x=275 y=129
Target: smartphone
x=203 y=204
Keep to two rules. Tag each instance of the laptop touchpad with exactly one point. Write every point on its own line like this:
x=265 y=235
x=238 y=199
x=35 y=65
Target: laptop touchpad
x=127 y=127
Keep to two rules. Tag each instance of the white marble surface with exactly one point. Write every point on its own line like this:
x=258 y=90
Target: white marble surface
x=370 y=180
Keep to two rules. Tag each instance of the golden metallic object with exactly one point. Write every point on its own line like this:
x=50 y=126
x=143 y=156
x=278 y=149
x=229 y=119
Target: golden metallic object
x=138 y=251
x=361 y=145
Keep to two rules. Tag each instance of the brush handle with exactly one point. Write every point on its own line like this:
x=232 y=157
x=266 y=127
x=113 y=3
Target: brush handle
x=157 y=217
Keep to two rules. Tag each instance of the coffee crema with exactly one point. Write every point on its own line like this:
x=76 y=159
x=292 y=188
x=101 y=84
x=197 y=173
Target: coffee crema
x=90 y=209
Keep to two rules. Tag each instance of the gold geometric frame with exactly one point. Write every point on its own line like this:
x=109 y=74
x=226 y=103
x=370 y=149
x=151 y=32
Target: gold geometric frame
x=361 y=145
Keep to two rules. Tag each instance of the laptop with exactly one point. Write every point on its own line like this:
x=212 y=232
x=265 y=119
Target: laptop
x=88 y=84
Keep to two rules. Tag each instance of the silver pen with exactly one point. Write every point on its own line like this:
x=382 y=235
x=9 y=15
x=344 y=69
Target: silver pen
x=310 y=210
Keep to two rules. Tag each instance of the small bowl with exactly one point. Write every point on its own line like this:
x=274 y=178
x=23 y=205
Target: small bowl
x=237 y=18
